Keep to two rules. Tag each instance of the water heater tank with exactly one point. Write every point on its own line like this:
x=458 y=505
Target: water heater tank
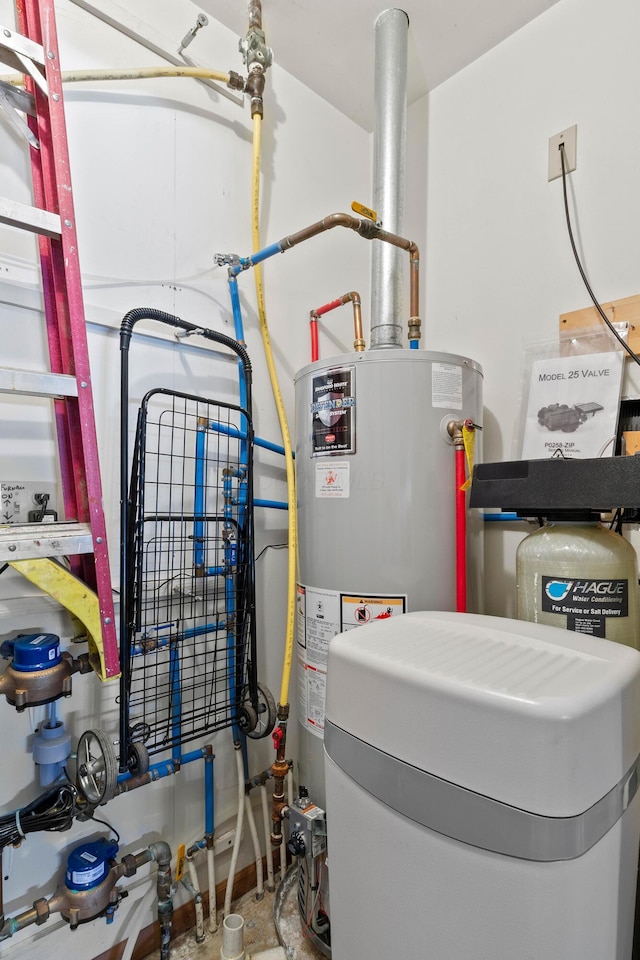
x=376 y=505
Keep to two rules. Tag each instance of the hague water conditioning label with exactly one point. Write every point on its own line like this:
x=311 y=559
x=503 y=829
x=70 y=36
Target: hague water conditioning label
x=586 y=603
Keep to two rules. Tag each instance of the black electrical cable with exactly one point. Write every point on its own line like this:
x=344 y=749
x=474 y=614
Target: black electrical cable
x=271 y=546
x=596 y=303
x=52 y=810
x=106 y=824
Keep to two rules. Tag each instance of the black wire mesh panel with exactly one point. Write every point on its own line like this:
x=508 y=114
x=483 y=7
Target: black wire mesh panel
x=191 y=637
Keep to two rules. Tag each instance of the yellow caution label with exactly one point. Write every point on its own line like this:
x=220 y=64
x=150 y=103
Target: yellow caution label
x=469 y=440
x=180 y=862
x=363 y=211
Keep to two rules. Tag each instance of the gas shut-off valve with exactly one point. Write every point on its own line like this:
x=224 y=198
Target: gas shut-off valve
x=307 y=827
x=296 y=845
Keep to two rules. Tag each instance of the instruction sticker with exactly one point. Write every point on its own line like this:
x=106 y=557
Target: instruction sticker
x=446 y=386
x=301 y=615
x=321 y=615
x=333 y=412
x=357 y=610
x=332 y=480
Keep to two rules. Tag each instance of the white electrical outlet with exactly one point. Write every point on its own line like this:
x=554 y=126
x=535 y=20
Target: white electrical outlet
x=568 y=137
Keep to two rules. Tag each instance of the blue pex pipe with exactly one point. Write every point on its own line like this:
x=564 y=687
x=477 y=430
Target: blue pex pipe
x=256 y=258
x=231 y=431
x=274 y=504
x=498 y=517
x=208 y=795
x=166 y=768
x=242 y=387
x=199 y=505
x=414 y=344
x=235 y=306
x=176 y=702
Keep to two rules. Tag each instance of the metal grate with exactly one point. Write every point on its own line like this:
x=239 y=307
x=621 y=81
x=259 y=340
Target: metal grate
x=191 y=637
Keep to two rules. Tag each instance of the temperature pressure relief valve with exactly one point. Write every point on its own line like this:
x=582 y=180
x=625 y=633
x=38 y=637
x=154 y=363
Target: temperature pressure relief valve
x=38 y=672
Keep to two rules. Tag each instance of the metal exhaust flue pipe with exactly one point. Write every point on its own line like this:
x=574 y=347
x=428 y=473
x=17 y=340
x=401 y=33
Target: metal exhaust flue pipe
x=389 y=141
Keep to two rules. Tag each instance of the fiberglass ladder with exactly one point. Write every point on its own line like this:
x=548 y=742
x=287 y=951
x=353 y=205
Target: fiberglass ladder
x=30 y=547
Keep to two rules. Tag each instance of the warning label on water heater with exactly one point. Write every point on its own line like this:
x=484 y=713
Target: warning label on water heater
x=333 y=412
x=320 y=616
x=446 y=386
x=587 y=604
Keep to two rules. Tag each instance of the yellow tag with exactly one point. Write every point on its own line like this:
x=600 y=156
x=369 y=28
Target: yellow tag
x=469 y=440
x=364 y=211
x=180 y=862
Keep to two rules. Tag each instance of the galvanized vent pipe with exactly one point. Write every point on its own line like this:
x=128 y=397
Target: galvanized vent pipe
x=389 y=140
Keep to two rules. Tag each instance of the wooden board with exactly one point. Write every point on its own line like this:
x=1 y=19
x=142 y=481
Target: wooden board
x=589 y=320
x=632 y=442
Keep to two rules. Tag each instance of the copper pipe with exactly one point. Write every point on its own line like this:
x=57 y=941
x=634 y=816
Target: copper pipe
x=255 y=15
x=358 y=343
x=354 y=298
x=368 y=230
x=279 y=770
x=255 y=88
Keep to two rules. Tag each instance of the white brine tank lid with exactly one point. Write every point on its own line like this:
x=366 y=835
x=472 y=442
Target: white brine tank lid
x=532 y=716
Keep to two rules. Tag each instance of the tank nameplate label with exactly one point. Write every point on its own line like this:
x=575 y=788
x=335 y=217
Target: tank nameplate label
x=320 y=616
x=332 y=480
x=333 y=412
x=587 y=604
x=446 y=386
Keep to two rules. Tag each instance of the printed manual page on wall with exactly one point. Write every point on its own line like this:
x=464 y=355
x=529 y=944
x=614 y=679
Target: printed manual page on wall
x=573 y=404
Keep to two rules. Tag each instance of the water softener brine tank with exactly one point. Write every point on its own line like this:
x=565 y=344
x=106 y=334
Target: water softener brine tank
x=481 y=779
x=580 y=577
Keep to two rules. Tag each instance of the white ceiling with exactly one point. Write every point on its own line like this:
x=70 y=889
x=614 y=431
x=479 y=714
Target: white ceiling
x=328 y=44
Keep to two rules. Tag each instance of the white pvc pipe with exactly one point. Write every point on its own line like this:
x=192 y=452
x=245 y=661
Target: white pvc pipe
x=139 y=916
x=267 y=837
x=211 y=871
x=232 y=937
x=238 y=837
x=283 y=857
x=257 y=852
x=283 y=844
x=197 y=900
x=290 y=787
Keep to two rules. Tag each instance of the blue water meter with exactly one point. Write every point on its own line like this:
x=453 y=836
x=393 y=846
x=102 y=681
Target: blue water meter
x=35 y=651
x=89 y=864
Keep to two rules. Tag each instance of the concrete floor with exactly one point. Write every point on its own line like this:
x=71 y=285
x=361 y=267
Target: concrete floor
x=260 y=932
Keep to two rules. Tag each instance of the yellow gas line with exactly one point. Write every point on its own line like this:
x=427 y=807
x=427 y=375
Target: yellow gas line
x=282 y=418
x=135 y=73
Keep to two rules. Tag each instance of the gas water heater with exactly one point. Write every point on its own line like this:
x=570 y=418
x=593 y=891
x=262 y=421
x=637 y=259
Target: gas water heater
x=376 y=505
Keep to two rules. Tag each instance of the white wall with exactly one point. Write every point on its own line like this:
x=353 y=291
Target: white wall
x=499 y=269
x=161 y=173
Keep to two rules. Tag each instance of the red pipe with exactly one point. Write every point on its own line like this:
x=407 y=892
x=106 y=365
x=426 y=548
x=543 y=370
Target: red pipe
x=329 y=306
x=315 y=349
x=314 y=316
x=461 y=531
